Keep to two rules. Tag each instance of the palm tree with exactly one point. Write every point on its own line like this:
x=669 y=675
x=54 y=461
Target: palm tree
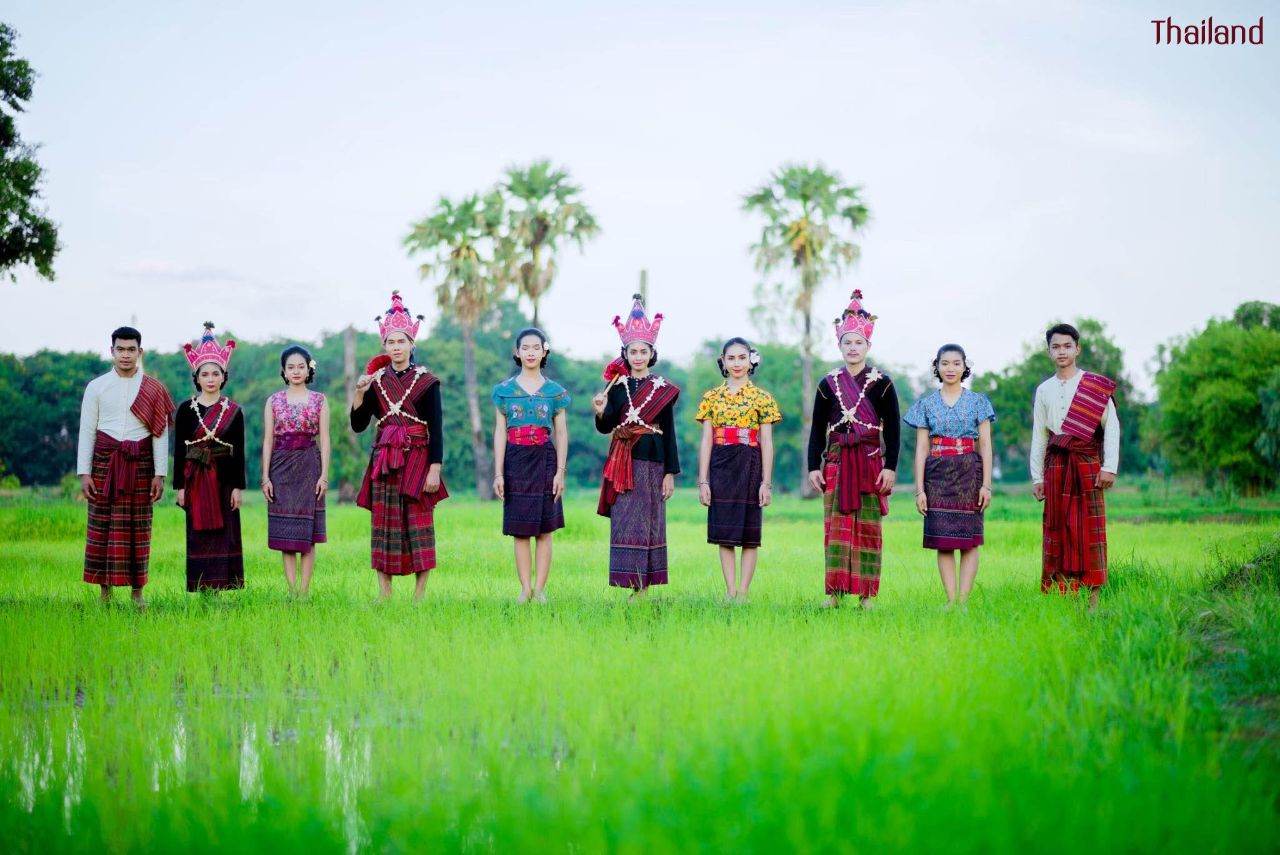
x=462 y=240
x=811 y=217
x=544 y=212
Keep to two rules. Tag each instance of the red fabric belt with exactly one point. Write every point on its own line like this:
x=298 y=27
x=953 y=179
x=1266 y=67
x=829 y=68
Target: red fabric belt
x=736 y=436
x=125 y=454
x=950 y=446
x=394 y=441
x=292 y=441
x=203 y=487
x=528 y=435
x=860 y=466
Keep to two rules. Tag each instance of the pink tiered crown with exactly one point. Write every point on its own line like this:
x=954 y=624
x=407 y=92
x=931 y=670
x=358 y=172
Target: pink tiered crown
x=397 y=319
x=855 y=319
x=208 y=350
x=638 y=327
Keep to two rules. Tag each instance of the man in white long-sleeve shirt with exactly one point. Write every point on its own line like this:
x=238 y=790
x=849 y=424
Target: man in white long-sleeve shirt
x=122 y=459
x=1075 y=453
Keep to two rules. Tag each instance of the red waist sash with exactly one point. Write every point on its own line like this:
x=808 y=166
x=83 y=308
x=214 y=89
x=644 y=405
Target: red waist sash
x=950 y=446
x=735 y=436
x=619 y=472
x=293 y=440
x=394 y=442
x=203 y=487
x=528 y=435
x=859 y=465
x=122 y=470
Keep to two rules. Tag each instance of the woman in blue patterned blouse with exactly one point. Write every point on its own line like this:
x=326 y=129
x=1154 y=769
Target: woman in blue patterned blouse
x=530 y=448
x=953 y=469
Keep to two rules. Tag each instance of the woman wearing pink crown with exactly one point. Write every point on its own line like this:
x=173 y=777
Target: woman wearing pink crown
x=208 y=469
x=853 y=457
x=637 y=409
x=402 y=484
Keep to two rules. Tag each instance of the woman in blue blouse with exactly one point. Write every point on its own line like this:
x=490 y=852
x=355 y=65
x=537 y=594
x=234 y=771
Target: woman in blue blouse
x=953 y=469
x=530 y=446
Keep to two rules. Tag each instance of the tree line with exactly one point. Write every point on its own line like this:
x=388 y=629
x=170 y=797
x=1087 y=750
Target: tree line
x=1216 y=417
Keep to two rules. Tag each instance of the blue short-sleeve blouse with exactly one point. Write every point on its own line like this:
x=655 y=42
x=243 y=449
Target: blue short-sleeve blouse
x=522 y=409
x=959 y=421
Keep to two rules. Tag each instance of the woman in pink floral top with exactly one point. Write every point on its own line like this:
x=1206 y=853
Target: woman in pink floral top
x=295 y=466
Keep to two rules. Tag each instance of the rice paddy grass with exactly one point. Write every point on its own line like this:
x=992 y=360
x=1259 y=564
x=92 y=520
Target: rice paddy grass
x=251 y=720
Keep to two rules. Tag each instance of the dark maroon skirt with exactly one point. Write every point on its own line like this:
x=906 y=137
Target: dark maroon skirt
x=529 y=507
x=735 y=518
x=951 y=486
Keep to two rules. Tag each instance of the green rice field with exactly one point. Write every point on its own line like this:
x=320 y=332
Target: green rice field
x=251 y=721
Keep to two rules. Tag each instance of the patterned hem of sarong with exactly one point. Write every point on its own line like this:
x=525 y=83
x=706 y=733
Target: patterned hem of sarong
x=1075 y=516
x=296 y=519
x=529 y=507
x=118 y=538
x=951 y=485
x=735 y=517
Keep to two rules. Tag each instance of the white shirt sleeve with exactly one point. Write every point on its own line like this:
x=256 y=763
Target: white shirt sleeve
x=88 y=431
x=1039 y=438
x=1110 y=439
x=160 y=453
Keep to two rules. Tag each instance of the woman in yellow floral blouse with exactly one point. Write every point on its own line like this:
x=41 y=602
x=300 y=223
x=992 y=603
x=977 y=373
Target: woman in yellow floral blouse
x=735 y=462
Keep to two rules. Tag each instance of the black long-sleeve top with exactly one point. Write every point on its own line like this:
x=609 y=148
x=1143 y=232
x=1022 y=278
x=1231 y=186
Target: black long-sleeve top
x=186 y=426
x=885 y=400
x=660 y=448
x=427 y=407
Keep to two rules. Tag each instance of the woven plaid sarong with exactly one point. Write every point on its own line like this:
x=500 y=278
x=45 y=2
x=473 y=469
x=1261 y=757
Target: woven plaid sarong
x=403 y=530
x=118 y=542
x=1075 y=516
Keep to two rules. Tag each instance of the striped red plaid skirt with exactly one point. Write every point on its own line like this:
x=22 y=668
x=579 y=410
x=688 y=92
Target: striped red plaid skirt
x=851 y=542
x=118 y=539
x=1075 y=516
x=403 y=530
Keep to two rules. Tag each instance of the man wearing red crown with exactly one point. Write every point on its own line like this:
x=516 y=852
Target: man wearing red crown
x=1075 y=454
x=853 y=459
x=208 y=468
x=402 y=484
x=637 y=410
x=122 y=459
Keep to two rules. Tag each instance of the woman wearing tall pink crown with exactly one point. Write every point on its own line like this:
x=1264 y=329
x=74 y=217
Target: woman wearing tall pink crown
x=637 y=410
x=208 y=470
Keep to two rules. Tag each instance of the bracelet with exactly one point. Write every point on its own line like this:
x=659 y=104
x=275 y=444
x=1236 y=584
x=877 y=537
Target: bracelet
x=919 y=492
x=704 y=483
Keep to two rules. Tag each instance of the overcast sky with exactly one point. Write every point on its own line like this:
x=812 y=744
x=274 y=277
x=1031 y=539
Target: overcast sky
x=257 y=164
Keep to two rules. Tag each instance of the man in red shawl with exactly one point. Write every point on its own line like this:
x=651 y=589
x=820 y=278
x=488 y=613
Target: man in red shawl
x=122 y=459
x=402 y=484
x=1075 y=453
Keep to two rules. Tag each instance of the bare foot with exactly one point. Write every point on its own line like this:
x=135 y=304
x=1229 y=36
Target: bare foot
x=867 y=604
x=637 y=595
x=540 y=597
x=831 y=602
x=523 y=598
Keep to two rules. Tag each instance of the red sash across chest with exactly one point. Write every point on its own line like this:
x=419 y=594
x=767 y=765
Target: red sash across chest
x=200 y=469
x=402 y=444
x=649 y=399
x=856 y=443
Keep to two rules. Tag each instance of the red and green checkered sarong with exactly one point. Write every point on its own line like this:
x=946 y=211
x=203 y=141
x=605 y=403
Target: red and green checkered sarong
x=851 y=542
